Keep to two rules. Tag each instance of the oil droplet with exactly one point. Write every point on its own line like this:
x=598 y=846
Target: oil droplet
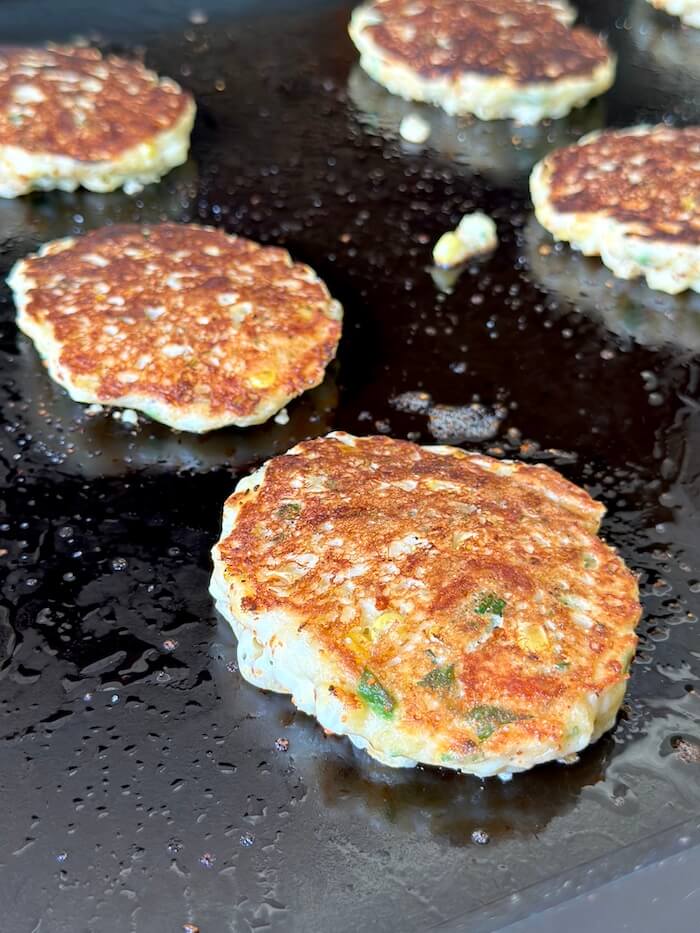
x=207 y=860
x=247 y=840
x=119 y=563
x=282 y=745
x=481 y=837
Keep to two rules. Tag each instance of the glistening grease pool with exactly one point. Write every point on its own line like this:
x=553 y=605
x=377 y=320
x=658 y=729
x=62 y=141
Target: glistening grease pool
x=146 y=786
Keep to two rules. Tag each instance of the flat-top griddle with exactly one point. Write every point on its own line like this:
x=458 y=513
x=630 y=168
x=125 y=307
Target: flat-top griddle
x=145 y=785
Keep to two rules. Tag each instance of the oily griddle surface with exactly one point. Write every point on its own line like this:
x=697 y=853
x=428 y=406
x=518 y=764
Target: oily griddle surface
x=143 y=783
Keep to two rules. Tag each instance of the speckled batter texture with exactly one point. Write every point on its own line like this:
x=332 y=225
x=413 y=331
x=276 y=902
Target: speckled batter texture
x=436 y=606
x=70 y=116
x=631 y=196
x=192 y=326
x=501 y=58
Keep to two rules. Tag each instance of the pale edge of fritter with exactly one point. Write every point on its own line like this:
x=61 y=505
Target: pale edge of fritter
x=22 y=171
x=687 y=10
x=274 y=655
x=669 y=267
x=197 y=419
x=489 y=98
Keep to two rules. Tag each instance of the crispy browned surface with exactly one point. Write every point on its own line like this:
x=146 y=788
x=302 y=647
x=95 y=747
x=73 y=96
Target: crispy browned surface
x=651 y=180
x=520 y=39
x=244 y=320
x=526 y=537
x=71 y=101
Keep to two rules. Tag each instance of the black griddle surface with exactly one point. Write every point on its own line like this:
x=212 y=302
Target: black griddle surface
x=141 y=783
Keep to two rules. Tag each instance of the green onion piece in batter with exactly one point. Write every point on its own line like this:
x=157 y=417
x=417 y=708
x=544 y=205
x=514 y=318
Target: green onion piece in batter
x=488 y=718
x=375 y=696
x=440 y=678
x=288 y=511
x=490 y=604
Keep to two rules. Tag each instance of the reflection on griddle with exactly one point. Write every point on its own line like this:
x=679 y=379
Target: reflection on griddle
x=499 y=149
x=423 y=801
x=670 y=44
x=49 y=426
x=628 y=308
x=428 y=801
x=39 y=217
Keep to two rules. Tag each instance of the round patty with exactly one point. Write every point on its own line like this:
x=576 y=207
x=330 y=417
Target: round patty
x=70 y=117
x=630 y=196
x=196 y=328
x=433 y=605
x=491 y=58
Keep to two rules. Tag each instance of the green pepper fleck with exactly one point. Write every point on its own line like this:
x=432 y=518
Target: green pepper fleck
x=288 y=511
x=563 y=665
x=589 y=561
x=571 y=734
x=490 y=604
x=488 y=718
x=440 y=678
x=375 y=696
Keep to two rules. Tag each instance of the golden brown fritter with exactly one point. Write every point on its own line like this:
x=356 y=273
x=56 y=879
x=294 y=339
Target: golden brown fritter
x=436 y=605
x=648 y=178
x=194 y=327
x=72 y=101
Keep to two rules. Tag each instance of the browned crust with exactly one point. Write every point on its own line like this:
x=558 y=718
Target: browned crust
x=94 y=108
x=650 y=180
x=356 y=499
x=519 y=39
x=99 y=315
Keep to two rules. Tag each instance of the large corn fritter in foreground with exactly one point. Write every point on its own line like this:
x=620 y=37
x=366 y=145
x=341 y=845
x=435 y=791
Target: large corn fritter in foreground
x=434 y=605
